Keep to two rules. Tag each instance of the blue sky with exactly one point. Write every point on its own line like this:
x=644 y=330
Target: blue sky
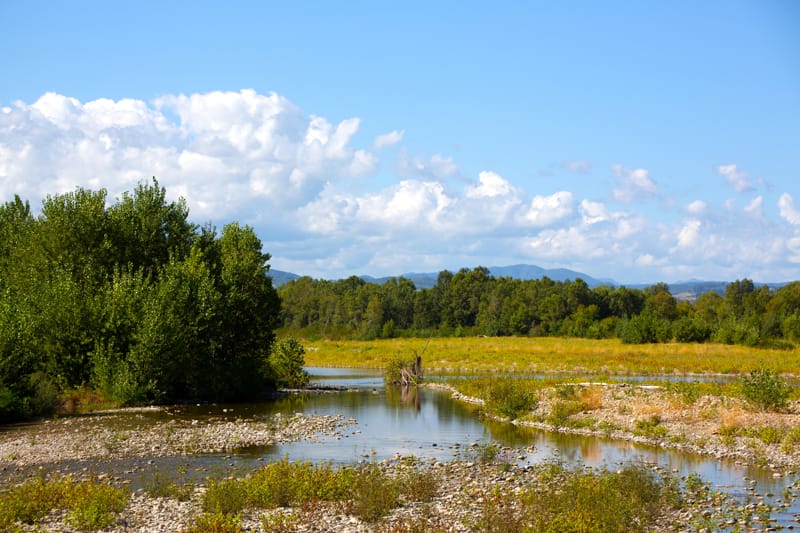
x=641 y=141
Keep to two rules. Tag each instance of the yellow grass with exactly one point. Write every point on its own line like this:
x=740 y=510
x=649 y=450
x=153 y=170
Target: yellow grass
x=552 y=355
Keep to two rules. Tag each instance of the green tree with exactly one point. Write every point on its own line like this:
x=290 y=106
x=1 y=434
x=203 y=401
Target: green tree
x=287 y=359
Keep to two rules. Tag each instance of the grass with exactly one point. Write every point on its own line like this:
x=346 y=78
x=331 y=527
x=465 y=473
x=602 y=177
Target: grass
x=469 y=355
x=365 y=490
x=90 y=505
x=580 y=500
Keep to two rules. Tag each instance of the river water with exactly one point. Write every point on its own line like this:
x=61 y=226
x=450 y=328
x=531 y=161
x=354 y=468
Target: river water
x=430 y=425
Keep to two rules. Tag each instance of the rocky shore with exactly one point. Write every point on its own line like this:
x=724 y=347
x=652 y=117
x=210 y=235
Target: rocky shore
x=645 y=414
x=714 y=426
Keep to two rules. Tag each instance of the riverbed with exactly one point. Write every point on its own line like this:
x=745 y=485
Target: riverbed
x=351 y=417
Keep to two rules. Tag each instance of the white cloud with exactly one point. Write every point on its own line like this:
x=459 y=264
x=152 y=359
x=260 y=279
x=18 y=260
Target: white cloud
x=409 y=204
x=435 y=167
x=793 y=245
x=247 y=156
x=224 y=150
x=491 y=185
x=633 y=184
x=545 y=210
x=564 y=244
x=689 y=234
x=735 y=177
x=698 y=207
x=593 y=212
x=787 y=209
x=755 y=208
x=388 y=139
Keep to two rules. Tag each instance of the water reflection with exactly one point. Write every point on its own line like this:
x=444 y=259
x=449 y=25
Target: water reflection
x=420 y=422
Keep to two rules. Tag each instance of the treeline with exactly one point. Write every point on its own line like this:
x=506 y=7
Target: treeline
x=472 y=302
x=130 y=299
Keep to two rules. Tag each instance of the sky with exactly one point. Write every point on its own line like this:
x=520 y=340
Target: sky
x=637 y=141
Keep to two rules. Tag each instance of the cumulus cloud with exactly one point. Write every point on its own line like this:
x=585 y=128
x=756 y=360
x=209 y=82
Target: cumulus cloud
x=633 y=184
x=755 y=209
x=490 y=185
x=545 y=210
x=787 y=209
x=388 y=139
x=227 y=149
x=689 y=234
x=558 y=244
x=735 y=177
x=258 y=157
x=698 y=207
x=410 y=203
x=436 y=167
x=593 y=212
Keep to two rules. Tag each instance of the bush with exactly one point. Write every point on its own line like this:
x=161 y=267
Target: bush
x=628 y=500
x=766 y=390
x=688 y=329
x=510 y=398
x=90 y=505
x=286 y=361
x=645 y=328
x=215 y=523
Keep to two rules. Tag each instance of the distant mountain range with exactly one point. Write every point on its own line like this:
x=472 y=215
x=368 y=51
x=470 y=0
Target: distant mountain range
x=682 y=290
x=426 y=280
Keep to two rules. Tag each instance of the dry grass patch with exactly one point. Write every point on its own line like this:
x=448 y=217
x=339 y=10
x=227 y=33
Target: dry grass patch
x=463 y=355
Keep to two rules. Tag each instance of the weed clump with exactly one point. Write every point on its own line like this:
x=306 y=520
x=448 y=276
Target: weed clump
x=581 y=500
x=90 y=505
x=365 y=491
x=766 y=390
x=510 y=397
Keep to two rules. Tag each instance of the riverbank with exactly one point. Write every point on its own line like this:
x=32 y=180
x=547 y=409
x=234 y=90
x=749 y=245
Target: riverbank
x=482 y=484
x=710 y=425
x=407 y=494
x=124 y=433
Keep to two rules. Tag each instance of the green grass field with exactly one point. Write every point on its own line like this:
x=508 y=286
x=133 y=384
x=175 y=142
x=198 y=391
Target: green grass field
x=466 y=355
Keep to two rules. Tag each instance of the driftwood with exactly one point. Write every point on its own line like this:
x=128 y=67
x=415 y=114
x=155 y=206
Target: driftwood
x=412 y=376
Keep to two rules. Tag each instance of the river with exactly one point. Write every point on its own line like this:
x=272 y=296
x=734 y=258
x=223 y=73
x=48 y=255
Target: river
x=425 y=423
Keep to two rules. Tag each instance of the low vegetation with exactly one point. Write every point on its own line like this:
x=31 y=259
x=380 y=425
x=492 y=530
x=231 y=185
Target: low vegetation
x=577 y=500
x=290 y=496
x=525 y=355
x=90 y=505
x=766 y=390
x=364 y=490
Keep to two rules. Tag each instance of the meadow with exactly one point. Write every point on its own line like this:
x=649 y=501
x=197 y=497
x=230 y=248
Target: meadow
x=524 y=355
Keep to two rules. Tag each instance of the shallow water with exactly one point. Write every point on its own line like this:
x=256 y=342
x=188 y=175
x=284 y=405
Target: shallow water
x=425 y=423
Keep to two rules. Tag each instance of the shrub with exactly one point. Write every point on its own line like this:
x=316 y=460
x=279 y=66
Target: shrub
x=766 y=390
x=374 y=493
x=286 y=361
x=628 y=500
x=215 y=523
x=510 y=397
x=650 y=427
x=645 y=328
x=90 y=505
x=95 y=505
x=561 y=410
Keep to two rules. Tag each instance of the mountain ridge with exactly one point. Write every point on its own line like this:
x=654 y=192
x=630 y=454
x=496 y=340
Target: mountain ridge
x=426 y=280
x=683 y=290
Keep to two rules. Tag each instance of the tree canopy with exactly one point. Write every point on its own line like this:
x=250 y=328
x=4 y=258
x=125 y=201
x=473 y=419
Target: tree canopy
x=132 y=299
x=471 y=301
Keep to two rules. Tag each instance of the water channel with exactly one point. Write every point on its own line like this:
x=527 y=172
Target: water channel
x=429 y=424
